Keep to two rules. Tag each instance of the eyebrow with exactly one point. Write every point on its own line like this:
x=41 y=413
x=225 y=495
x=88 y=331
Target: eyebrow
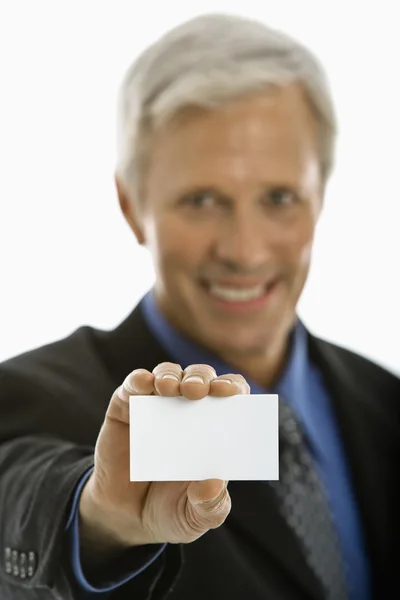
x=207 y=189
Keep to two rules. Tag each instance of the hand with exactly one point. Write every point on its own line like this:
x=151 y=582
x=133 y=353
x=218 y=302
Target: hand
x=136 y=513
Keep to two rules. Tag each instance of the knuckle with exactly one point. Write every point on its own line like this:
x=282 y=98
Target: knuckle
x=220 y=511
x=194 y=522
x=129 y=382
x=205 y=371
x=209 y=515
x=120 y=393
x=235 y=378
x=241 y=381
x=167 y=368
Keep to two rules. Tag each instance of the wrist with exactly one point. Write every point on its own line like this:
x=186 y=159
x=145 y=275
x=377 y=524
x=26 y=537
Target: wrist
x=103 y=528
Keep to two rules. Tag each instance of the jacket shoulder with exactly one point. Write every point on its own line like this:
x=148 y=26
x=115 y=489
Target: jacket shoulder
x=44 y=389
x=359 y=361
x=78 y=344
x=357 y=372
x=69 y=362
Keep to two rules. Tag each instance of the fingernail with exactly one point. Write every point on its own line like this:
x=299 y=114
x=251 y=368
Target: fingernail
x=170 y=376
x=194 y=379
x=216 y=499
x=223 y=381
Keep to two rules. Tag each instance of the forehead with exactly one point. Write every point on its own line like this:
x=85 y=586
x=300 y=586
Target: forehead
x=265 y=135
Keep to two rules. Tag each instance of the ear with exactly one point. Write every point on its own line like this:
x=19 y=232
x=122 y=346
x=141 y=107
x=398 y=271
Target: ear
x=129 y=210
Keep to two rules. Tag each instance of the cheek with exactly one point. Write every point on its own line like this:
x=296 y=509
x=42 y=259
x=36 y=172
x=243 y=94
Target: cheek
x=297 y=242
x=175 y=245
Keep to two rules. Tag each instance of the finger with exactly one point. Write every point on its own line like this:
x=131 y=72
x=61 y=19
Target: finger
x=196 y=381
x=208 y=505
x=167 y=378
x=229 y=385
x=138 y=382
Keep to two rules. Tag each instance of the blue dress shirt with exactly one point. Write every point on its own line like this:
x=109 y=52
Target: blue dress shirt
x=302 y=386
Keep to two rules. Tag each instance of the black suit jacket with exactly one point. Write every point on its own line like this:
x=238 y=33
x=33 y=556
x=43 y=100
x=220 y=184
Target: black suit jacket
x=52 y=404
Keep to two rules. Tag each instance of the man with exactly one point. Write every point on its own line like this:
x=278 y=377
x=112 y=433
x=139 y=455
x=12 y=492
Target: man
x=226 y=144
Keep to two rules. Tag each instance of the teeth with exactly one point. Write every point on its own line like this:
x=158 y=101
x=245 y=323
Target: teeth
x=237 y=294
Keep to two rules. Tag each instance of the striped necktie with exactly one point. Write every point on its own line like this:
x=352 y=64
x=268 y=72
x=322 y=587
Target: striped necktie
x=304 y=505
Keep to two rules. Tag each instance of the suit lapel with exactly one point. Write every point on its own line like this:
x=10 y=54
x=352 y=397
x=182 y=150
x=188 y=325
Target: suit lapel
x=370 y=436
x=131 y=343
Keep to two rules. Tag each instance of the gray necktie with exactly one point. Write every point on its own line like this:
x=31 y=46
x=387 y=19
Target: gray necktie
x=304 y=506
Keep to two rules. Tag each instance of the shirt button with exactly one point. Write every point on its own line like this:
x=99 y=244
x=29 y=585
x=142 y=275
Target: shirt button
x=23 y=560
x=14 y=562
x=31 y=564
x=7 y=560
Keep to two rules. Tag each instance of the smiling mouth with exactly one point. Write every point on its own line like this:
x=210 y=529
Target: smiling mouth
x=238 y=294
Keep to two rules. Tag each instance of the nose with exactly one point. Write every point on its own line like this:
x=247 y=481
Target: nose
x=243 y=242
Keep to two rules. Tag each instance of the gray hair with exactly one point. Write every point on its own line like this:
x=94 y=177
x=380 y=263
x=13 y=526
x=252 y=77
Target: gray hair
x=206 y=62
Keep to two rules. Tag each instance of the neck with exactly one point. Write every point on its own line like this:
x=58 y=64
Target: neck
x=263 y=366
x=264 y=369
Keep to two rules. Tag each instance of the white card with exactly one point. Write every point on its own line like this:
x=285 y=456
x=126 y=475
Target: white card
x=230 y=438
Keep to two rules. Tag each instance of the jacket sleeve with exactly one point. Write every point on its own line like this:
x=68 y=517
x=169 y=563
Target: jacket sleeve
x=128 y=566
x=37 y=475
x=40 y=469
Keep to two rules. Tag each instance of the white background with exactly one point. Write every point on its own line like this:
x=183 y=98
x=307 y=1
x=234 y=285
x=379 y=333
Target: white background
x=67 y=257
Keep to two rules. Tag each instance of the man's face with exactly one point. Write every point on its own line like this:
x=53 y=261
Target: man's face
x=231 y=203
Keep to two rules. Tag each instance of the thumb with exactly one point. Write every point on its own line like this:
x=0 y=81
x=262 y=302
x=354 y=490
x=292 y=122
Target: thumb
x=208 y=505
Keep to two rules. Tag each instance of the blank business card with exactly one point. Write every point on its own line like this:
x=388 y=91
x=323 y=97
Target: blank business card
x=230 y=438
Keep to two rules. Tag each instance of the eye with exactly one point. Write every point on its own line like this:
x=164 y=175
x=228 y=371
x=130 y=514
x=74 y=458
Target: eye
x=281 y=197
x=199 y=200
